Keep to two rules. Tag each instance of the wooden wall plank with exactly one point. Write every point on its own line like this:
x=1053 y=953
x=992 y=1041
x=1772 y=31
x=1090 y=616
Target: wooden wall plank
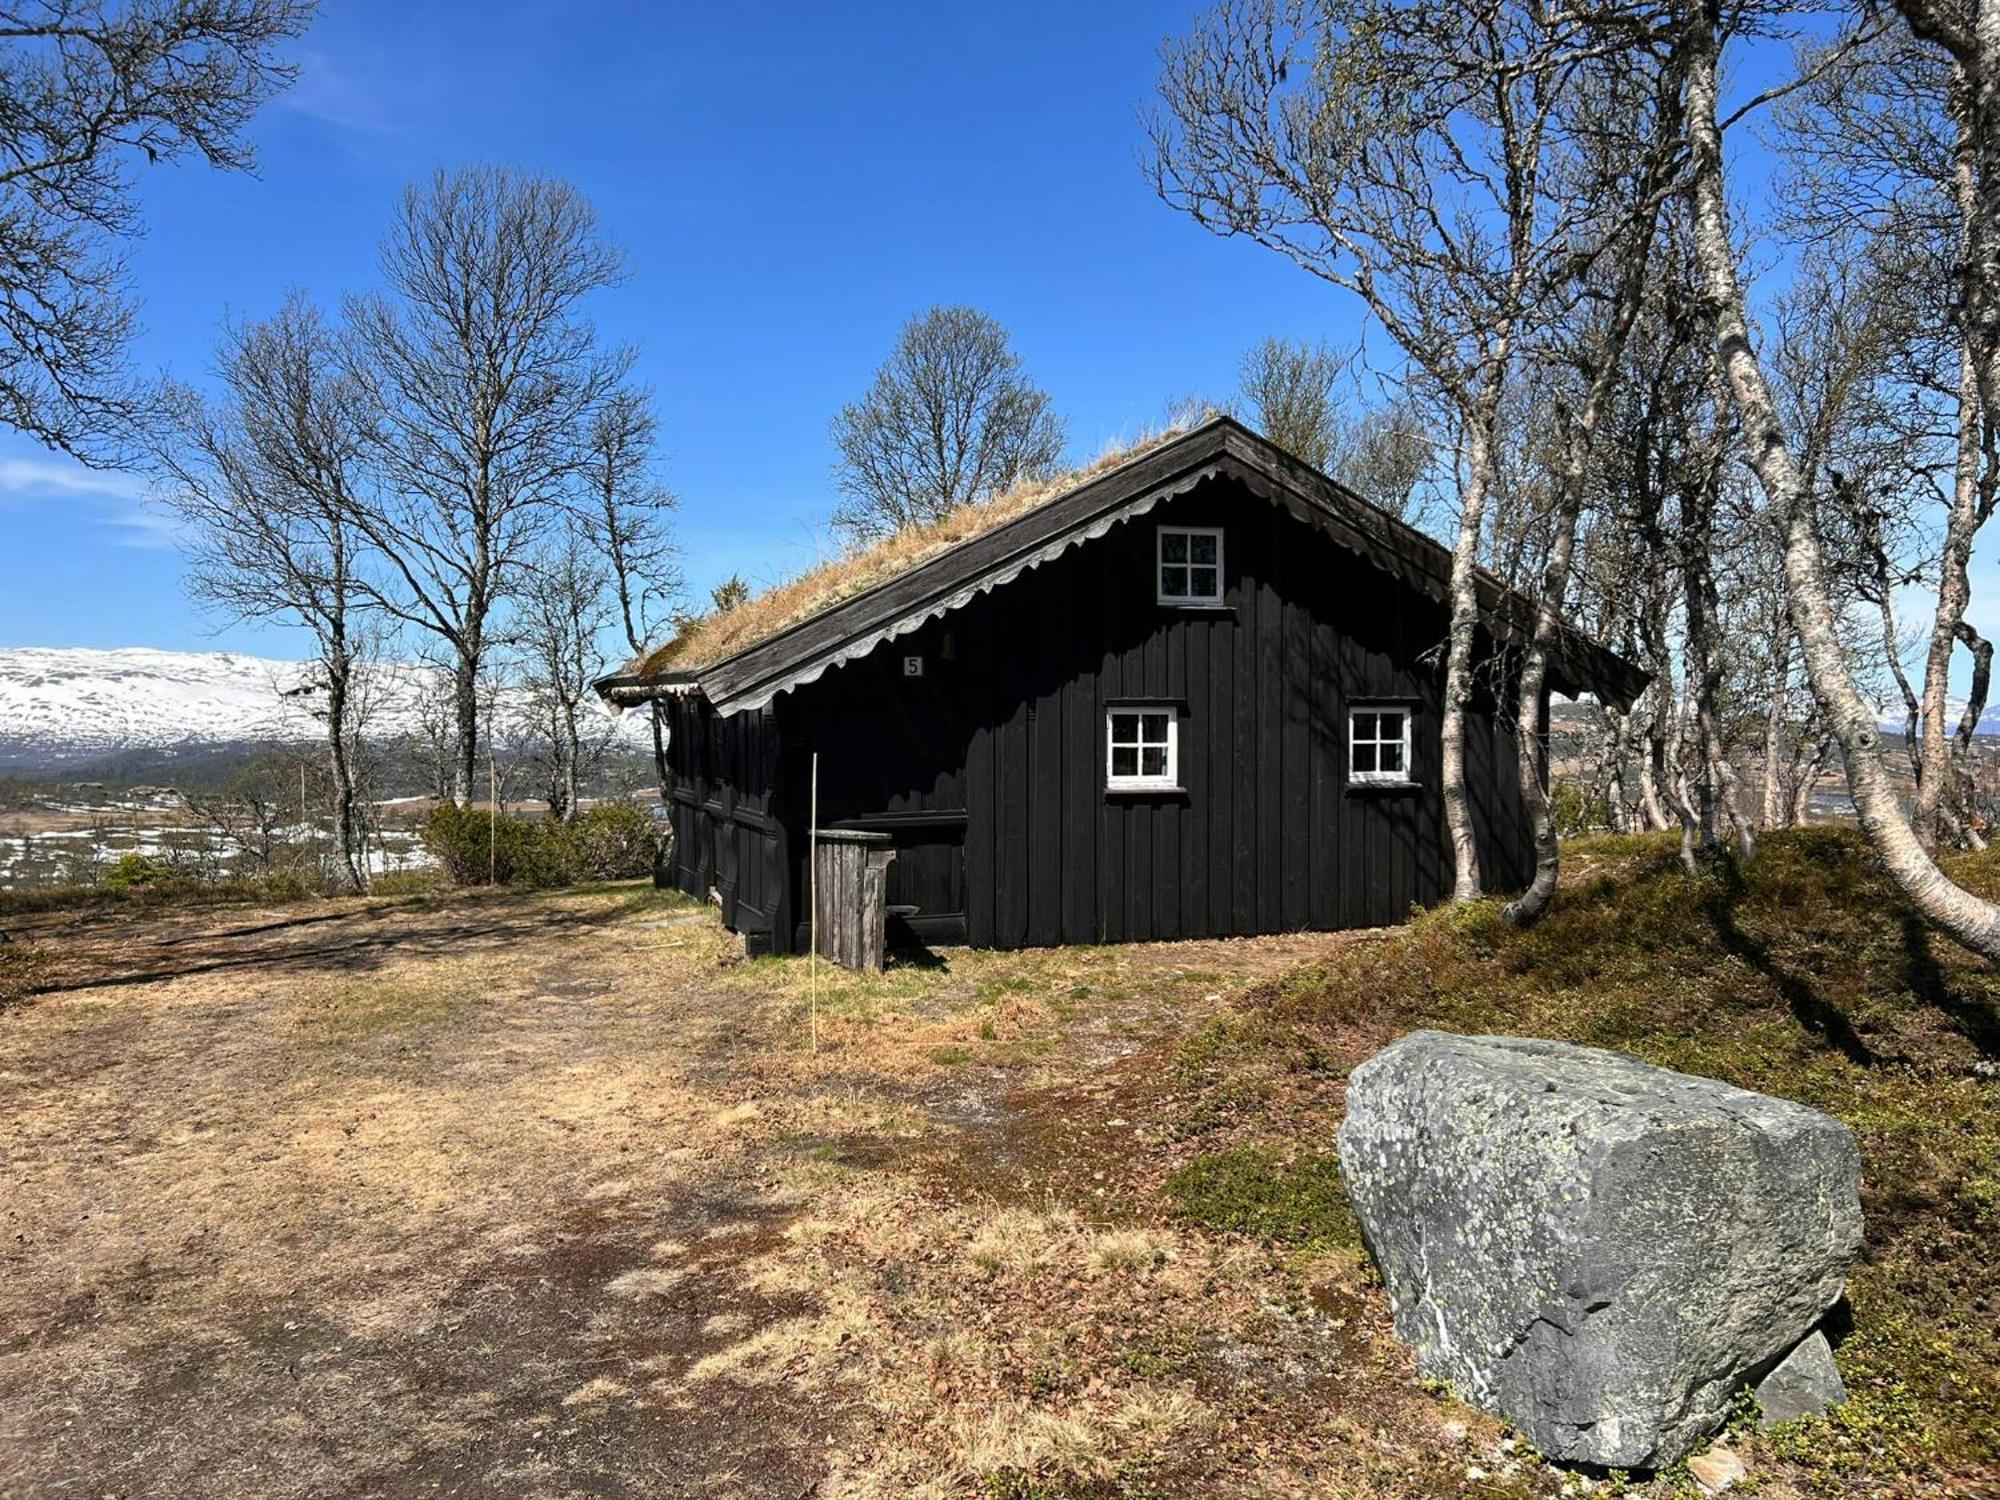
x=1045 y=813
x=1243 y=748
x=1269 y=804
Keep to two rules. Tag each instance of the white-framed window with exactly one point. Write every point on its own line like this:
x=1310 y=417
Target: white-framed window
x=1190 y=564
x=1378 y=743
x=1142 y=749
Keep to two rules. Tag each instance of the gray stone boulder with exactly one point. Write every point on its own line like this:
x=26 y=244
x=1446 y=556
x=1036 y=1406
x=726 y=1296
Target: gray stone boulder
x=1802 y=1384
x=1600 y=1251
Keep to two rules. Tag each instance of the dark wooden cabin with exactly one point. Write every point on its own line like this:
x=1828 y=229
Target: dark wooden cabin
x=1197 y=694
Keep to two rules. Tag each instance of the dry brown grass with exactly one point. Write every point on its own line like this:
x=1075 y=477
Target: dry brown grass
x=550 y=1195
x=710 y=640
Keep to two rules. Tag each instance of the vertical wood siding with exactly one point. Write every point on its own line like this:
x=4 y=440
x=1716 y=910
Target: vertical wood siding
x=989 y=768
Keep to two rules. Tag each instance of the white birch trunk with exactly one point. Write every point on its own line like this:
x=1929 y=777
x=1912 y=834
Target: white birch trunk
x=1480 y=461
x=1964 y=916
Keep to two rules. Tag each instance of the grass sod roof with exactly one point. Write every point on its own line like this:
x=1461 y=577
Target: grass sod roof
x=842 y=609
x=715 y=637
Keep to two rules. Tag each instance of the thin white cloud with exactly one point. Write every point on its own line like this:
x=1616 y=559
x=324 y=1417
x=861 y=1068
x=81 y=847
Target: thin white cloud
x=328 y=92
x=109 y=499
x=54 y=478
x=144 y=526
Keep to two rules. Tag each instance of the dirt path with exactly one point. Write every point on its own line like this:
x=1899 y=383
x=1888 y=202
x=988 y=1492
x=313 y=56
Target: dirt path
x=552 y=1196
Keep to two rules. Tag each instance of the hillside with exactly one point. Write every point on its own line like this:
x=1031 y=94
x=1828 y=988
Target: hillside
x=1802 y=974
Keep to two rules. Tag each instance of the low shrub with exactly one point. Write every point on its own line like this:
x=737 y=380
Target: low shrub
x=1576 y=809
x=405 y=883
x=611 y=841
x=135 y=872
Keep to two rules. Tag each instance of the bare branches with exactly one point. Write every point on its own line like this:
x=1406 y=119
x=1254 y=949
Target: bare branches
x=1290 y=388
x=266 y=483
x=623 y=511
x=461 y=463
x=1828 y=59
x=487 y=378
x=89 y=87
x=562 y=616
x=1772 y=456
x=1418 y=157
x=950 y=419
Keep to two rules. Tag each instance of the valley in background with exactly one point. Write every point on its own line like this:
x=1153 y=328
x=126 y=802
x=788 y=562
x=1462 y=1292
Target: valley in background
x=213 y=763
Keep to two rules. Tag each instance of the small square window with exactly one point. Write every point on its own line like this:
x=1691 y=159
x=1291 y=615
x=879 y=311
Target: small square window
x=1190 y=565
x=1378 y=744
x=1144 y=749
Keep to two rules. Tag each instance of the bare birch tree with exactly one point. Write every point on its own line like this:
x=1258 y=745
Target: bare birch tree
x=562 y=615
x=1397 y=152
x=1387 y=457
x=1881 y=147
x=1623 y=132
x=950 y=418
x=623 y=512
x=1291 y=393
x=87 y=89
x=266 y=479
x=1291 y=390
x=487 y=375
x=1974 y=47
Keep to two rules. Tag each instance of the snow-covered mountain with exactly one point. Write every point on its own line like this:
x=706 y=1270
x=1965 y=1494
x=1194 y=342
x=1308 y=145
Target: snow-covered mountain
x=78 y=701
x=66 y=703
x=1891 y=719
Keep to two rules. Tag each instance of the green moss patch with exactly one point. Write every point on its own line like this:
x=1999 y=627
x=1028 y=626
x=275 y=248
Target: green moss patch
x=1253 y=1191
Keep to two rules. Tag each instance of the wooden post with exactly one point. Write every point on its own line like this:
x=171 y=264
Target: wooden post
x=851 y=881
x=492 y=819
x=812 y=900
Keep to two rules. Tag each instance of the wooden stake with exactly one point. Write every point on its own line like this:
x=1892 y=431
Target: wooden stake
x=492 y=819
x=812 y=903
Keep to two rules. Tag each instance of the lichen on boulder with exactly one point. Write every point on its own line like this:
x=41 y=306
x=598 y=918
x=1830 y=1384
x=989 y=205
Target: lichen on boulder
x=1600 y=1251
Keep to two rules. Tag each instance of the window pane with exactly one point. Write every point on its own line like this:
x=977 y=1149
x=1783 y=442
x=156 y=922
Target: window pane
x=1364 y=726
x=1203 y=584
x=1174 y=583
x=1124 y=729
x=1364 y=756
x=1201 y=549
x=1124 y=761
x=1392 y=756
x=1173 y=546
x=1153 y=728
x=1153 y=760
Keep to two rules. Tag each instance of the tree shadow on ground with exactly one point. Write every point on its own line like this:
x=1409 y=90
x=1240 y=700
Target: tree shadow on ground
x=1974 y=1019
x=356 y=940
x=1814 y=1011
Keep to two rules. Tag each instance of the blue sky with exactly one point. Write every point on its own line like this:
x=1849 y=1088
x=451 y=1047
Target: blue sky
x=789 y=181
